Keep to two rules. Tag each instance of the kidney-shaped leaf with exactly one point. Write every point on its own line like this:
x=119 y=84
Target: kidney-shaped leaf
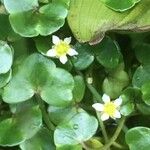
x=43 y=140
x=39 y=75
x=90 y=19
x=138 y=138
x=79 y=128
x=6 y=57
x=120 y=5
x=48 y=19
x=21 y=126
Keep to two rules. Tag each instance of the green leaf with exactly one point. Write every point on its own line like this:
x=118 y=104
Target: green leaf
x=146 y=93
x=59 y=114
x=129 y=97
x=42 y=140
x=141 y=76
x=112 y=87
x=115 y=82
x=54 y=85
x=58 y=92
x=6 y=57
x=108 y=53
x=94 y=143
x=5 y=78
x=95 y=18
x=120 y=5
x=79 y=88
x=85 y=57
x=22 y=126
x=138 y=137
x=62 y=114
x=70 y=147
x=143 y=108
x=80 y=128
x=127 y=109
x=142 y=53
x=48 y=19
x=43 y=1
x=67 y=2
x=43 y=44
x=14 y=6
x=5 y=29
x=4 y=22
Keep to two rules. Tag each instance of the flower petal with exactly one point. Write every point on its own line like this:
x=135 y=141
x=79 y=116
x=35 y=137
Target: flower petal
x=67 y=40
x=118 y=101
x=63 y=59
x=104 y=117
x=55 y=39
x=51 y=53
x=117 y=114
x=105 y=98
x=98 y=107
x=72 y=52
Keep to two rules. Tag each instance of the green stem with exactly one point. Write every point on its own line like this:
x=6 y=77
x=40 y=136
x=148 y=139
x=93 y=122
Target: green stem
x=45 y=115
x=116 y=134
x=85 y=146
x=125 y=129
x=119 y=146
x=98 y=97
x=102 y=127
x=94 y=92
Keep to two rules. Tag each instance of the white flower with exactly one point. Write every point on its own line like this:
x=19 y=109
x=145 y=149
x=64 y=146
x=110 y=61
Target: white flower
x=61 y=48
x=109 y=108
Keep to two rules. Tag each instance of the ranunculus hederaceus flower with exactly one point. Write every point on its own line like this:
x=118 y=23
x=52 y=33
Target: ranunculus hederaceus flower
x=61 y=49
x=110 y=109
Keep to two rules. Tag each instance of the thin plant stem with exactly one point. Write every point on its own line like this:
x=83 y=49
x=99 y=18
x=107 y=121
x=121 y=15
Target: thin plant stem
x=119 y=146
x=85 y=146
x=45 y=115
x=94 y=92
x=98 y=97
x=102 y=127
x=116 y=134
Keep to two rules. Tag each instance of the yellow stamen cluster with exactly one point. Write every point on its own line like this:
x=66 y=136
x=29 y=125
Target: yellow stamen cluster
x=110 y=108
x=61 y=48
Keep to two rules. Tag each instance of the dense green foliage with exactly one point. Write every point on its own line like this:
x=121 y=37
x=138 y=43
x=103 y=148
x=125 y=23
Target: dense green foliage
x=46 y=98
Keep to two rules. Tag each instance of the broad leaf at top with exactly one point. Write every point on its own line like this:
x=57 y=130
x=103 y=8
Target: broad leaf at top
x=120 y=5
x=29 y=20
x=90 y=19
x=38 y=75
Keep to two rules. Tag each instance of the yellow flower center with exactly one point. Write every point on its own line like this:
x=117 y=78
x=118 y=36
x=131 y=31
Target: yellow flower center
x=110 y=108
x=61 y=48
